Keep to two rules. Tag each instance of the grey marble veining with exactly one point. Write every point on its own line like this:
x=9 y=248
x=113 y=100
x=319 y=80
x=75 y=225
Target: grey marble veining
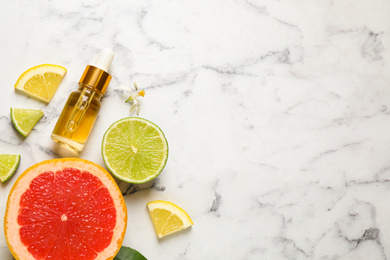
x=276 y=115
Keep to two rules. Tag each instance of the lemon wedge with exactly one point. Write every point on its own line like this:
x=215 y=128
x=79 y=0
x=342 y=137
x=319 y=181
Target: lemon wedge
x=168 y=218
x=41 y=81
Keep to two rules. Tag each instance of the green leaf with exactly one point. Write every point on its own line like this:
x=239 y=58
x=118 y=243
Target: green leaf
x=127 y=253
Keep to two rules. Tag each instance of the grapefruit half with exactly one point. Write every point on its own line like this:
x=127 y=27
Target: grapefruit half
x=65 y=209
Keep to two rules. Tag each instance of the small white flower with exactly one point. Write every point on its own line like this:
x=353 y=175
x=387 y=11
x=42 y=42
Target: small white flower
x=133 y=99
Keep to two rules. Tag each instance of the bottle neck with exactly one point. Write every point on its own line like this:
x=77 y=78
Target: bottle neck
x=96 y=78
x=88 y=90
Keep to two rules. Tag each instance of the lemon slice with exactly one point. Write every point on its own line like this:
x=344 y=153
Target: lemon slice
x=24 y=120
x=41 y=81
x=167 y=217
x=9 y=163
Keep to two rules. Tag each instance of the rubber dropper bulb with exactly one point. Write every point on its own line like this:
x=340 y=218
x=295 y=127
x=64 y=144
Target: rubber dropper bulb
x=104 y=59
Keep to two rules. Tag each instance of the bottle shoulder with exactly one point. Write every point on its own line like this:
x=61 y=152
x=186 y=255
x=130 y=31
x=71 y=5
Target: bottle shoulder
x=87 y=92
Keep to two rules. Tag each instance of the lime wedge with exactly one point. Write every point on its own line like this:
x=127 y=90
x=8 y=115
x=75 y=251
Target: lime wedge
x=9 y=163
x=25 y=119
x=134 y=150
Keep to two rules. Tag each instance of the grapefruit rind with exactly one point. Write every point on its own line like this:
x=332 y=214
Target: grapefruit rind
x=11 y=226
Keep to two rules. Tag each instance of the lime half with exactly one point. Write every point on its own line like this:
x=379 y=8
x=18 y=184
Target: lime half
x=25 y=119
x=9 y=163
x=134 y=150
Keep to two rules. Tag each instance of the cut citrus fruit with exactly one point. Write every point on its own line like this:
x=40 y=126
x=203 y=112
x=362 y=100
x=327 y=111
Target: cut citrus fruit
x=24 y=120
x=65 y=209
x=9 y=163
x=41 y=81
x=134 y=150
x=168 y=218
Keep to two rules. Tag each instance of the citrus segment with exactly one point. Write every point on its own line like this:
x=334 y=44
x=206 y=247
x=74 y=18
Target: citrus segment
x=168 y=218
x=41 y=81
x=9 y=163
x=134 y=150
x=65 y=209
x=24 y=120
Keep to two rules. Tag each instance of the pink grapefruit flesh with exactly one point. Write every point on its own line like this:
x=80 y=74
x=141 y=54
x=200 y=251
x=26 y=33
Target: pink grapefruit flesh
x=65 y=209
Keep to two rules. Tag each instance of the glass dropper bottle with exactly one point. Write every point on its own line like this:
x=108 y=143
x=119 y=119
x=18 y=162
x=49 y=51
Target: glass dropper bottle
x=83 y=105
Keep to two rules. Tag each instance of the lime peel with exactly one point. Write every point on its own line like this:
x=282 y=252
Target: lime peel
x=24 y=120
x=134 y=150
x=9 y=163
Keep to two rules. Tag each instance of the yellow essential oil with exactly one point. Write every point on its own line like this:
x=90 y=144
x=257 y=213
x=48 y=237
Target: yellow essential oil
x=83 y=105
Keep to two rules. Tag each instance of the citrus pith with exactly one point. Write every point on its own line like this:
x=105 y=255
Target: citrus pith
x=65 y=209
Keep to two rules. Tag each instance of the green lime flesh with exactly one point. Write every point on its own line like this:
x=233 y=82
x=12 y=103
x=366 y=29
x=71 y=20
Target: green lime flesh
x=24 y=120
x=134 y=150
x=9 y=163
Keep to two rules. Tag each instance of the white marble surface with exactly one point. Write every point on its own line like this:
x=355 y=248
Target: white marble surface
x=276 y=113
